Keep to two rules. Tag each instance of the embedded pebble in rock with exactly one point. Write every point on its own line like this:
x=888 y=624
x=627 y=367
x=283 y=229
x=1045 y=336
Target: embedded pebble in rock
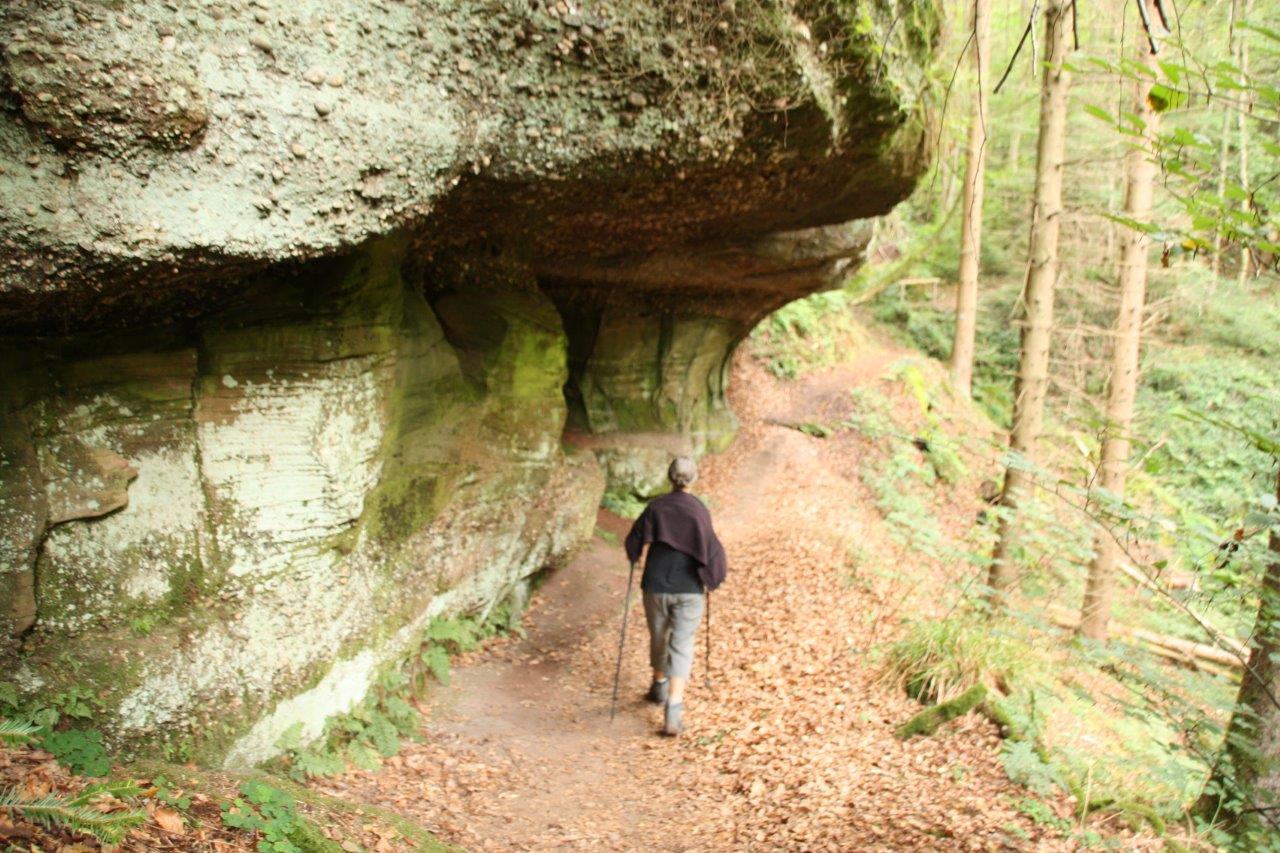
x=323 y=106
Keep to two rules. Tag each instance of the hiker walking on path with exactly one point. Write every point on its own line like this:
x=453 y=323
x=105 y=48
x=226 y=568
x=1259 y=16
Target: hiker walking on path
x=685 y=562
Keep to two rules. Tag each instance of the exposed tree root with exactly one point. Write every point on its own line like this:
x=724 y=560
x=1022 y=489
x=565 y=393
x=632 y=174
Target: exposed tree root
x=928 y=720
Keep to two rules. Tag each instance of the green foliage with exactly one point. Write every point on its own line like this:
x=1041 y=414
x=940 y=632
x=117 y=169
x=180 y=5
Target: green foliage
x=931 y=329
x=273 y=814
x=436 y=660
x=806 y=335
x=75 y=703
x=79 y=750
x=169 y=794
x=1042 y=815
x=10 y=699
x=1234 y=206
x=78 y=813
x=456 y=635
x=363 y=736
x=17 y=732
x=373 y=729
x=624 y=505
x=1025 y=765
x=898 y=486
x=938 y=659
x=143 y=625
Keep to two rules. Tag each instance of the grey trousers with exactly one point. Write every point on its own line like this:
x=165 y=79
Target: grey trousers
x=673 y=620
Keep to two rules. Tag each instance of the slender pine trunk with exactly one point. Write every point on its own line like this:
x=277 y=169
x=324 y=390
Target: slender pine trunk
x=1224 y=145
x=1245 y=205
x=1032 y=378
x=971 y=225
x=1140 y=175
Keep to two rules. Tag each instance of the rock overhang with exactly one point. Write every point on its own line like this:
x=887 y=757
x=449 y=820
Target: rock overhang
x=335 y=277
x=154 y=153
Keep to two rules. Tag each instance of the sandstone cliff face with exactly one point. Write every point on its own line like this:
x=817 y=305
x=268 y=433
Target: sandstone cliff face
x=298 y=299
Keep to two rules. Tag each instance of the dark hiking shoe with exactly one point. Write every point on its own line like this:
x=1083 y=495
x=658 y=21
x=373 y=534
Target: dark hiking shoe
x=673 y=722
x=658 y=692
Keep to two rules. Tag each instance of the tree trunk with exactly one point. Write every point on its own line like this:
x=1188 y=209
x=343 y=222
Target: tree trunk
x=1037 y=297
x=1245 y=206
x=1224 y=145
x=948 y=177
x=1140 y=174
x=1015 y=149
x=971 y=225
x=1245 y=787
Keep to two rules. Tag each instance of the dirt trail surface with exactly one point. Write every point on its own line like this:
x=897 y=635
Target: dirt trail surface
x=791 y=747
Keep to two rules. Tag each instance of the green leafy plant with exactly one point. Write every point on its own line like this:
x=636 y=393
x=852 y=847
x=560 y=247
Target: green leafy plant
x=273 y=814
x=170 y=795
x=806 y=335
x=143 y=625
x=625 y=505
x=79 y=750
x=1041 y=814
x=373 y=729
x=1026 y=766
x=436 y=661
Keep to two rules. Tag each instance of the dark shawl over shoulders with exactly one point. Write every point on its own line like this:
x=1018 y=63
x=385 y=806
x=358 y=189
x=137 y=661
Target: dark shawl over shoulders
x=681 y=521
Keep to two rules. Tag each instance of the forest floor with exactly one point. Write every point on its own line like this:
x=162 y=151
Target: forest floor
x=839 y=535
x=791 y=745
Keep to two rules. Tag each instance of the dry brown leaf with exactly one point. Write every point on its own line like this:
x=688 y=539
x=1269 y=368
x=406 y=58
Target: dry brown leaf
x=170 y=820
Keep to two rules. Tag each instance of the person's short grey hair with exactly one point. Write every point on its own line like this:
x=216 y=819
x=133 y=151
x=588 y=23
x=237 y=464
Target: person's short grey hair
x=683 y=472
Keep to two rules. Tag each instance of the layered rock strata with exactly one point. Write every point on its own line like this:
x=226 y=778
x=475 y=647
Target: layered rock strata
x=297 y=300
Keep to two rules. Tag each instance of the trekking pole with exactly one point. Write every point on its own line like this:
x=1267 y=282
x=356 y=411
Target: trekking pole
x=706 y=675
x=622 y=641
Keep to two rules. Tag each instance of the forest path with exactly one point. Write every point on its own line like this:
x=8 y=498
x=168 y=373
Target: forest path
x=792 y=747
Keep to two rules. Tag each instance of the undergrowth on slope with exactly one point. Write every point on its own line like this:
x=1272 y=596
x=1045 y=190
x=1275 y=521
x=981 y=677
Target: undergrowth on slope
x=103 y=810
x=273 y=815
x=374 y=729
x=807 y=334
x=938 y=659
x=81 y=813
x=59 y=724
x=1118 y=730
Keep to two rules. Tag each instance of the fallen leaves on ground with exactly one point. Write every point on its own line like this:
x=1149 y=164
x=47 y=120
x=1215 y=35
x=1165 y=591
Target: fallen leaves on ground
x=34 y=773
x=792 y=746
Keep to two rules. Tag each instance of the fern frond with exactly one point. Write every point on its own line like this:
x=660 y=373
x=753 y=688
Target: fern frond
x=51 y=810
x=17 y=732
x=121 y=789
